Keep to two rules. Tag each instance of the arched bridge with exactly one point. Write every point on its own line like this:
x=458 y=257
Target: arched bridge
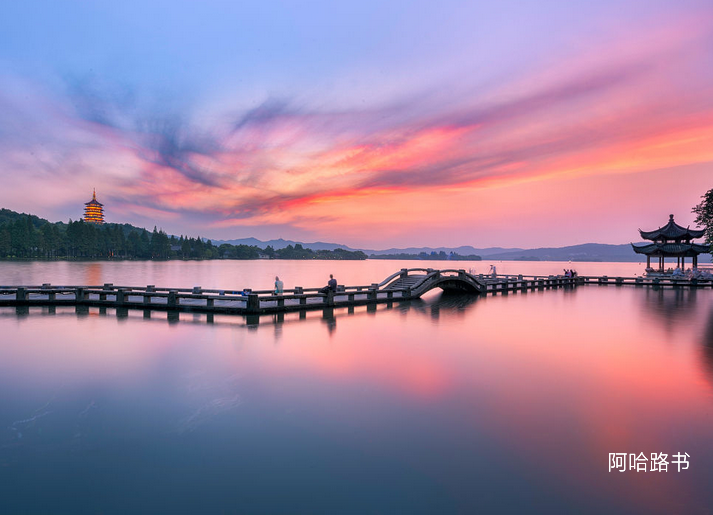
x=417 y=281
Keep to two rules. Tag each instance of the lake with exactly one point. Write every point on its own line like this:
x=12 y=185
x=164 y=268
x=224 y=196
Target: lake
x=449 y=404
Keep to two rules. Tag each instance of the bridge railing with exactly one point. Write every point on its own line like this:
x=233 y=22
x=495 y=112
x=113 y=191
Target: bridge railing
x=197 y=297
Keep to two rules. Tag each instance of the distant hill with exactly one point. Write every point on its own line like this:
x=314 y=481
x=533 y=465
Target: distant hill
x=463 y=251
x=320 y=245
x=281 y=244
x=7 y=216
x=584 y=252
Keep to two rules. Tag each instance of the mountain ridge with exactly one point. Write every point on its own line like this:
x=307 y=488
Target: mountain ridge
x=580 y=252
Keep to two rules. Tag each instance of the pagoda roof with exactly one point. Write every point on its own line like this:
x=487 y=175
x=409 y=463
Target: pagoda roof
x=671 y=249
x=95 y=202
x=672 y=231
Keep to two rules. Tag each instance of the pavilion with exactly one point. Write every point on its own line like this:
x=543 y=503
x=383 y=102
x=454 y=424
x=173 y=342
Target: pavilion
x=671 y=240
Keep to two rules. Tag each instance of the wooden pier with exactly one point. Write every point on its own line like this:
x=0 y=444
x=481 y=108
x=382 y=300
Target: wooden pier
x=406 y=284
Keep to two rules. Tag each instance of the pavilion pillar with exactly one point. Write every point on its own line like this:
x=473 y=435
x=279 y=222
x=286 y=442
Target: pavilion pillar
x=683 y=262
x=648 y=261
x=695 y=261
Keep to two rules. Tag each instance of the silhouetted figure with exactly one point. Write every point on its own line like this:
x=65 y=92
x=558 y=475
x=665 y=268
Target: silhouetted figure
x=331 y=285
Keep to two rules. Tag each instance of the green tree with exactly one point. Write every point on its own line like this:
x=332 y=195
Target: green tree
x=5 y=242
x=704 y=216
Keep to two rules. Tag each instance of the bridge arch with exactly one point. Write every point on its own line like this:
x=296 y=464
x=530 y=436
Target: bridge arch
x=423 y=280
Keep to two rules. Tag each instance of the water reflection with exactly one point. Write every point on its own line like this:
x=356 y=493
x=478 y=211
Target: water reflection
x=93 y=273
x=669 y=307
x=681 y=311
x=329 y=320
x=707 y=347
x=405 y=407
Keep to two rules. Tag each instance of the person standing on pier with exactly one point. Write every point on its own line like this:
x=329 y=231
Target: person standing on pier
x=279 y=286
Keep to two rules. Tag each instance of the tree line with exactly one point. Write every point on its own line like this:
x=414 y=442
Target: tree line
x=433 y=256
x=29 y=237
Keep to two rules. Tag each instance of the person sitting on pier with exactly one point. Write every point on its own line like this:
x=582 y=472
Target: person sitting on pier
x=279 y=286
x=331 y=285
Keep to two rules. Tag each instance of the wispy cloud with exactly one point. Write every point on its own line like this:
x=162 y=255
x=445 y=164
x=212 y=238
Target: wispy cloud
x=285 y=162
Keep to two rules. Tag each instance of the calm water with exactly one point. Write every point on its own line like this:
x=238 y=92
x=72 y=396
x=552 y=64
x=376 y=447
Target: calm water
x=504 y=404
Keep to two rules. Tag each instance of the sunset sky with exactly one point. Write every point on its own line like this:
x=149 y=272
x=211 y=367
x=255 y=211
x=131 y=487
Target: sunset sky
x=374 y=124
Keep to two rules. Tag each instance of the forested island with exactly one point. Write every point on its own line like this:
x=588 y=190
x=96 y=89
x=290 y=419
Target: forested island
x=25 y=236
x=432 y=256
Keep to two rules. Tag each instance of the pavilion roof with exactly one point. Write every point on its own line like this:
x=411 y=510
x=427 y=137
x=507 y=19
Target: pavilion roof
x=671 y=249
x=672 y=231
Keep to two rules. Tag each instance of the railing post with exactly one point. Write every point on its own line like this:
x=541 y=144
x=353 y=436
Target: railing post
x=404 y=273
x=371 y=294
x=329 y=299
x=253 y=304
x=120 y=296
x=300 y=291
x=79 y=294
x=21 y=294
x=172 y=299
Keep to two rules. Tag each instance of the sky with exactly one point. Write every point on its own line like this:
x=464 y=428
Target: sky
x=373 y=124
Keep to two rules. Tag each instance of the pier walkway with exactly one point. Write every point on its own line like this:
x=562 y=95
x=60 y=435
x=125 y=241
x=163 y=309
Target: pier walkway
x=406 y=284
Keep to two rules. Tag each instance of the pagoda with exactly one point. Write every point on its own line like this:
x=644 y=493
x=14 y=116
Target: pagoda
x=671 y=240
x=94 y=211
